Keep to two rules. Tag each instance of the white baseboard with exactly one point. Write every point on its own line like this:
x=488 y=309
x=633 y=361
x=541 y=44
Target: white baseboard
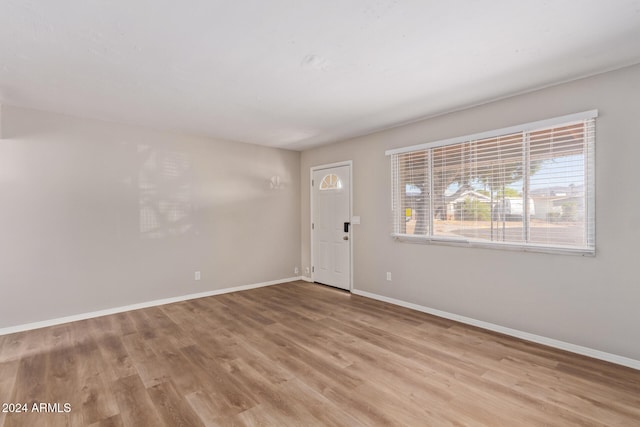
x=306 y=279
x=573 y=348
x=83 y=316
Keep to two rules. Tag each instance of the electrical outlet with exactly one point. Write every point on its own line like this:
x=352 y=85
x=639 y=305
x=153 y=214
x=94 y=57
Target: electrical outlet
x=196 y=276
x=296 y=270
x=388 y=275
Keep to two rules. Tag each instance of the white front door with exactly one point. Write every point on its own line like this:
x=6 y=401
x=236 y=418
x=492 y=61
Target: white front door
x=331 y=227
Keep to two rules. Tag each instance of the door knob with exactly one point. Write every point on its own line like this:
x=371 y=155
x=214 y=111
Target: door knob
x=345 y=238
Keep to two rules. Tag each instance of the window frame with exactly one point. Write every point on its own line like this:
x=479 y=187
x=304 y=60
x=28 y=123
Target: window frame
x=431 y=238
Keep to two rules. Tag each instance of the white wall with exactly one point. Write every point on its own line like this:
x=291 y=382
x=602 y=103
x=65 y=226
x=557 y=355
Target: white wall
x=587 y=301
x=95 y=215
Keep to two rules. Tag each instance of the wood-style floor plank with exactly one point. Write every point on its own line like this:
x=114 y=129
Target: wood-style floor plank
x=302 y=354
x=136 y=407
x=172 y=406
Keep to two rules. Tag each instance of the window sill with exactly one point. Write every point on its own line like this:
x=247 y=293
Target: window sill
x=406 y=238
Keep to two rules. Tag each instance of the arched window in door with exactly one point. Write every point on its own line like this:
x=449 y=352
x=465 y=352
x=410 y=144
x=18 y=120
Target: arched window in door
x=331 y=182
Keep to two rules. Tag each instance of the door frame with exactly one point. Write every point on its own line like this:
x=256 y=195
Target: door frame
x=311 y=197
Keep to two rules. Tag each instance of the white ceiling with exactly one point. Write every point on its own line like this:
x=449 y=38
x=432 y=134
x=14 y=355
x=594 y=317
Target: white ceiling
x=298 y=73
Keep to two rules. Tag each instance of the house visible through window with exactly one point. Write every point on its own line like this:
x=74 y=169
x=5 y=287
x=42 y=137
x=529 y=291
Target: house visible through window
x=331 y=182
x=529 y=186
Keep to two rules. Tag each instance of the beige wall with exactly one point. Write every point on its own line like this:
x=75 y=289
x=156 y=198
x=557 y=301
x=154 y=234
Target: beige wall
x=587 y=301
x=95 y=215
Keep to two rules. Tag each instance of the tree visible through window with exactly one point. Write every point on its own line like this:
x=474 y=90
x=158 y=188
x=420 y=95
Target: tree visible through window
x=530 y=187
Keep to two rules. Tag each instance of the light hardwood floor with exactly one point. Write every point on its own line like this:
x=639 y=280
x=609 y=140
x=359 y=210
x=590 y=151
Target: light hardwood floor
x=302 y=354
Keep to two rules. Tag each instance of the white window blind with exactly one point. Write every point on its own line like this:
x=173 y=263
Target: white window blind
x=528 y=187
